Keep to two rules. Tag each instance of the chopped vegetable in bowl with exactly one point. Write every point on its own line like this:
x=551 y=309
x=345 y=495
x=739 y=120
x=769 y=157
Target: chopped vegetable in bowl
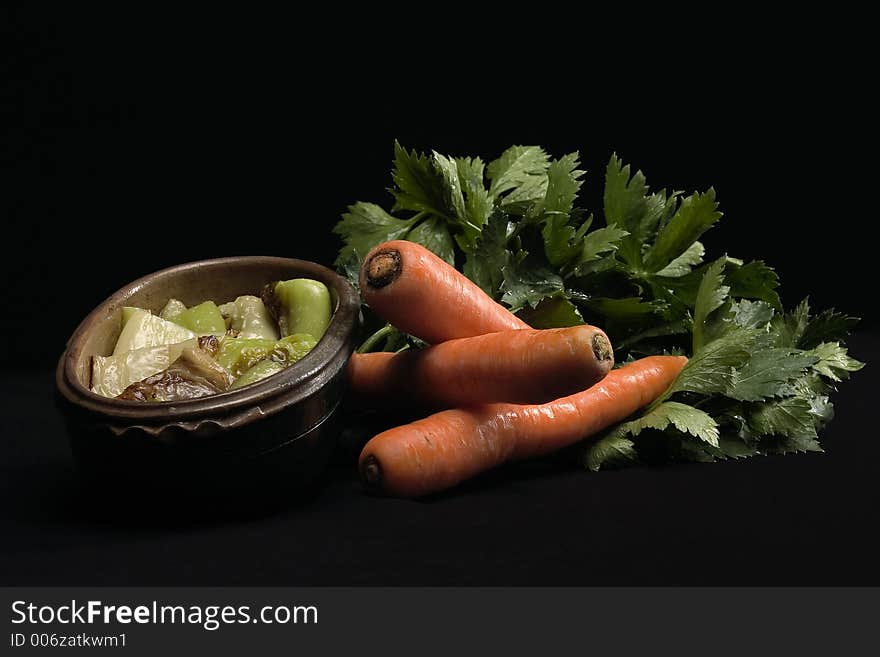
x=186 y=353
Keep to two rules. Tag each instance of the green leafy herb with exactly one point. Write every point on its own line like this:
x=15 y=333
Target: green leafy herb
x=769 y=373
x=710 y=296
x=518 y=176
x=695 y=215
x=553 y=312
x=684 y=263
x=684 y=418
x=712 y=369
x=526 y=283
x=433 y=234
x=752 y=314
x=611 y=450
x=788 y=418
x=827 y=326
x=831 y=360
x=754 y=280
x=485 y=262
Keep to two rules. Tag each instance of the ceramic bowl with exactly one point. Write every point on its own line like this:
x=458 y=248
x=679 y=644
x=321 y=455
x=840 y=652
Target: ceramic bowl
x=275 y=434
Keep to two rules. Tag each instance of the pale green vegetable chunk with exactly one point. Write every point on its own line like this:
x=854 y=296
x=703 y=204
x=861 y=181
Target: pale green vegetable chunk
x=301 y=305
x=292 y=348
x=172 y=309
x=128 y=312
x=258 y=372
x=248 y=315
x=113 y=374
x=146 y=330
x=203 y=319
x=238 y=355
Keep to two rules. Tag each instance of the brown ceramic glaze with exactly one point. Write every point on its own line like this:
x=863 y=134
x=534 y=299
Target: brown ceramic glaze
x=282 y=427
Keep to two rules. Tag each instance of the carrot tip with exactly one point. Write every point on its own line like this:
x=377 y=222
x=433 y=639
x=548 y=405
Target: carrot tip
x=383 y=268
x=602 y=347
x=371 y=473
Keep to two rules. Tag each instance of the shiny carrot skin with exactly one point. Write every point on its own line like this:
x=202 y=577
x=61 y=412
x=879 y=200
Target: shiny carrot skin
x=444 y=449
x=424 y=296
x=528 y=366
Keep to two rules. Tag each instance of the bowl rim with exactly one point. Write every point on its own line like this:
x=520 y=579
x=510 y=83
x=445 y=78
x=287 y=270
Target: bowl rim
x=302 y=377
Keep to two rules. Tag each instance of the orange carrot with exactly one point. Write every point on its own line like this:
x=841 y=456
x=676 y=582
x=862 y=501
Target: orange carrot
x=424 y=296
x=526 y=367
x=446 y=448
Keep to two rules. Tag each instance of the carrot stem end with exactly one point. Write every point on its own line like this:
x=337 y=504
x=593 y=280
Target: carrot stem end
x=371 y=473
x=383 y=268
x=602 y=347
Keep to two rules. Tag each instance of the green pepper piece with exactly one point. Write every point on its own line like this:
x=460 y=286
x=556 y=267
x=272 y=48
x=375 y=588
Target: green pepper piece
x=238 y=354
x=249 y=317
x=203 y=318
x=292 y=348
x=300 y=305
x=260 y=371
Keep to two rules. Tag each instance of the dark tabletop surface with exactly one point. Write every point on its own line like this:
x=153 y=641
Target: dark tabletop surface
x=803 y=519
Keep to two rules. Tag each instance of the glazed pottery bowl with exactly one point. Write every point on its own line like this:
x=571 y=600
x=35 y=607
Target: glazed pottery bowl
x=275 y=434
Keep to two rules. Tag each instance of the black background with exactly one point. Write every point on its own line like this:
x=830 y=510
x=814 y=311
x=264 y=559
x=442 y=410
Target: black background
x=132 y=146
x=129 y=146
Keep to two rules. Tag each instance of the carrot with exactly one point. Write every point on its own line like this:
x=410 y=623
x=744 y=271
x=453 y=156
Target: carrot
x=424 y=296
x=446 y=448
x=527 y=367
